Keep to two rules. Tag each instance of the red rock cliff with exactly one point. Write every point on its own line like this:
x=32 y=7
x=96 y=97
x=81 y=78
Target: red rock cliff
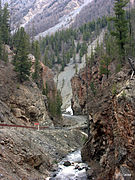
x=110 y=149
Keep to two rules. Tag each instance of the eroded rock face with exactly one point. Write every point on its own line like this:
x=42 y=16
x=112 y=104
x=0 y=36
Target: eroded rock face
x=111 y=144
x=78 y=84
x=24 y=103
x=46 y=76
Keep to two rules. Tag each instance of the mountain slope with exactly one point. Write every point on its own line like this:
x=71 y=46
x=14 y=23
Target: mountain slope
x=41 y=17
x=40 y=14
x=94 y=10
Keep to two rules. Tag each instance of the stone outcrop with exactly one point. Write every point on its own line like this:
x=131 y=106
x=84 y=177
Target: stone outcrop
x=25 y=102
x=111 y=143
x=79 y=96
x=46 y=76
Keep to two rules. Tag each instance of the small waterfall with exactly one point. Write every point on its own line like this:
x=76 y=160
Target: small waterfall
x=69 y=110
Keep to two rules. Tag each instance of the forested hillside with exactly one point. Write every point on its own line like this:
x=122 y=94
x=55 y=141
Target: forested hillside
x=117 y=47
x=94 y=10
x=40 y=14
x=59 y=48
x=19 y=48
x=4 y=30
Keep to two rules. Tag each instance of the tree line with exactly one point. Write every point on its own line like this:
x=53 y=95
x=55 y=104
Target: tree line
x=61 y=46
x=4 y=31
x=119 y=39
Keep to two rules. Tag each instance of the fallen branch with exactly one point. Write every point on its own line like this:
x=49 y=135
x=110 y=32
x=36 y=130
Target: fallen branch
x=131 y=64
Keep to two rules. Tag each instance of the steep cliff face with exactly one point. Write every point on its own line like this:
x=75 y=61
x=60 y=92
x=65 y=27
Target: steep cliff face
x=23 y=102
x=46 y=76
x=110 y=147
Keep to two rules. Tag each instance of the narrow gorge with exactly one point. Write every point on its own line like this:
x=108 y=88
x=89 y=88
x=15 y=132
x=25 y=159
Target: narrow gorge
x=67 y=90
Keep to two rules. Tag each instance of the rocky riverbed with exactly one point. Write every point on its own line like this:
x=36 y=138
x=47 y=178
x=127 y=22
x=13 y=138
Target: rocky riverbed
x=70 y=168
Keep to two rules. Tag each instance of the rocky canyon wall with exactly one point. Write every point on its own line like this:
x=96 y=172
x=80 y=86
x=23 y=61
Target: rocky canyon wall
x=111 y=107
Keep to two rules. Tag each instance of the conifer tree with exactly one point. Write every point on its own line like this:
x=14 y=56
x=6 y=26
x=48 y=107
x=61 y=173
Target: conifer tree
x=4 y=54
x=74 y=56
x=45 y=89
x=0 y=31
x=121 y=25
x=58 y=104
x=21 y=61
x=36 y=52
x=45 y=59
x=0 y=14
x=78 y=47
x=5 y=24
x=104 y=65
x=4 y=31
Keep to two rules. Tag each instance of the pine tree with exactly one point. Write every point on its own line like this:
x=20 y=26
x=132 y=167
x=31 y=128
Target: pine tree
x=78 y=47
x=74 y=56
x=121 y=25
x=76 y=68
x=5 y=24
x=0 y=31
x=4 y=54
x=45 y=59
x=0 y=14
x=58 y=104
x=36 y=52
x=104 y=65
x=21 y=61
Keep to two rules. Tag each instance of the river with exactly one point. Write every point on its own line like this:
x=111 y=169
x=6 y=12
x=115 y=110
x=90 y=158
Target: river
x=70 y=168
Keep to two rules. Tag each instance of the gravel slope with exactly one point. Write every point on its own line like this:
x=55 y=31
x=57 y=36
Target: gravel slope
x=69 y=72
